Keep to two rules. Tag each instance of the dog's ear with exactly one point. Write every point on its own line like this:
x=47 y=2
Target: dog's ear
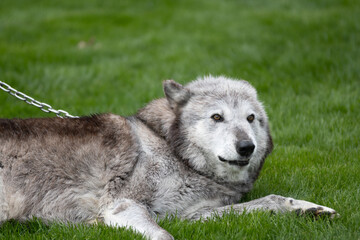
x=175 y=93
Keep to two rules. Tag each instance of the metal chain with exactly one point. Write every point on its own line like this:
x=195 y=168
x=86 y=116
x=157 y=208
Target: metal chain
x=29 y=100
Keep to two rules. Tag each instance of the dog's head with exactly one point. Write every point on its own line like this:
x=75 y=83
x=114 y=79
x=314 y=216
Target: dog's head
x=220 y=127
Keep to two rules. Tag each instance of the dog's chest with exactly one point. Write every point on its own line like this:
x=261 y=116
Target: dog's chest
x=165 y=181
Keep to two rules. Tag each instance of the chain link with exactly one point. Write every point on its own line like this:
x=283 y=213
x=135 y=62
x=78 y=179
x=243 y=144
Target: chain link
x=29 y=100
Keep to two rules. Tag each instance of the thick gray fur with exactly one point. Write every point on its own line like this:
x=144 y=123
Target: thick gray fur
x=124 y=171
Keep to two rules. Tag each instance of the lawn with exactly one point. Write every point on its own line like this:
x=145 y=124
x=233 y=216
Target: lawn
x=111 y=56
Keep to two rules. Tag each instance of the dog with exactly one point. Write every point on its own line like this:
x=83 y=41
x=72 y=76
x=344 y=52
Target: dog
x=194 y=153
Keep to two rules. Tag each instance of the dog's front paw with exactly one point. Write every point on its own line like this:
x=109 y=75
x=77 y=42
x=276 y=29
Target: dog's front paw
x=308 y=208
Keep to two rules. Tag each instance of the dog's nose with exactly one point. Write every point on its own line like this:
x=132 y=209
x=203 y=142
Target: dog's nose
x=245 y=148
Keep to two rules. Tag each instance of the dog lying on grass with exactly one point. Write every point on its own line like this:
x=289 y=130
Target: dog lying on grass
x=195 y=152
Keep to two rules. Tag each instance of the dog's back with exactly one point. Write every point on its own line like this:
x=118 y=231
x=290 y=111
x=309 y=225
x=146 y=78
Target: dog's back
x=45 y=161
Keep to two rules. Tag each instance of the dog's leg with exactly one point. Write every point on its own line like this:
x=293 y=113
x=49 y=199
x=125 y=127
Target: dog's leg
x=273 y=203
x=128 y=213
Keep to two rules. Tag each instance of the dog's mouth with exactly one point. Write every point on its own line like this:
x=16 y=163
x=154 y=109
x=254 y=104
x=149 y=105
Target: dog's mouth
x=240 y=163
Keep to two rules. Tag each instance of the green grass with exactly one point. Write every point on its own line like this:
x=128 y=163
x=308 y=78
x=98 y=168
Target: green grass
x=303 y=57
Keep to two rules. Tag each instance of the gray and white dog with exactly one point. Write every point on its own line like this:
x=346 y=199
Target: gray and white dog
x=193 y=153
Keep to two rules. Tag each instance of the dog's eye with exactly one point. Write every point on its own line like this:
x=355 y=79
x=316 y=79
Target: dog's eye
x=217 y=117
x=251 y=118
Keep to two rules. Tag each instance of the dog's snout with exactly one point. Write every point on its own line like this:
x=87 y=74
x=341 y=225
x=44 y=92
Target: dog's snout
x=245 y=148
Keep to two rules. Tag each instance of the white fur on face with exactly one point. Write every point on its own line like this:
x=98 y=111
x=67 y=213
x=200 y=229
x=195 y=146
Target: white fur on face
x=218 y=139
